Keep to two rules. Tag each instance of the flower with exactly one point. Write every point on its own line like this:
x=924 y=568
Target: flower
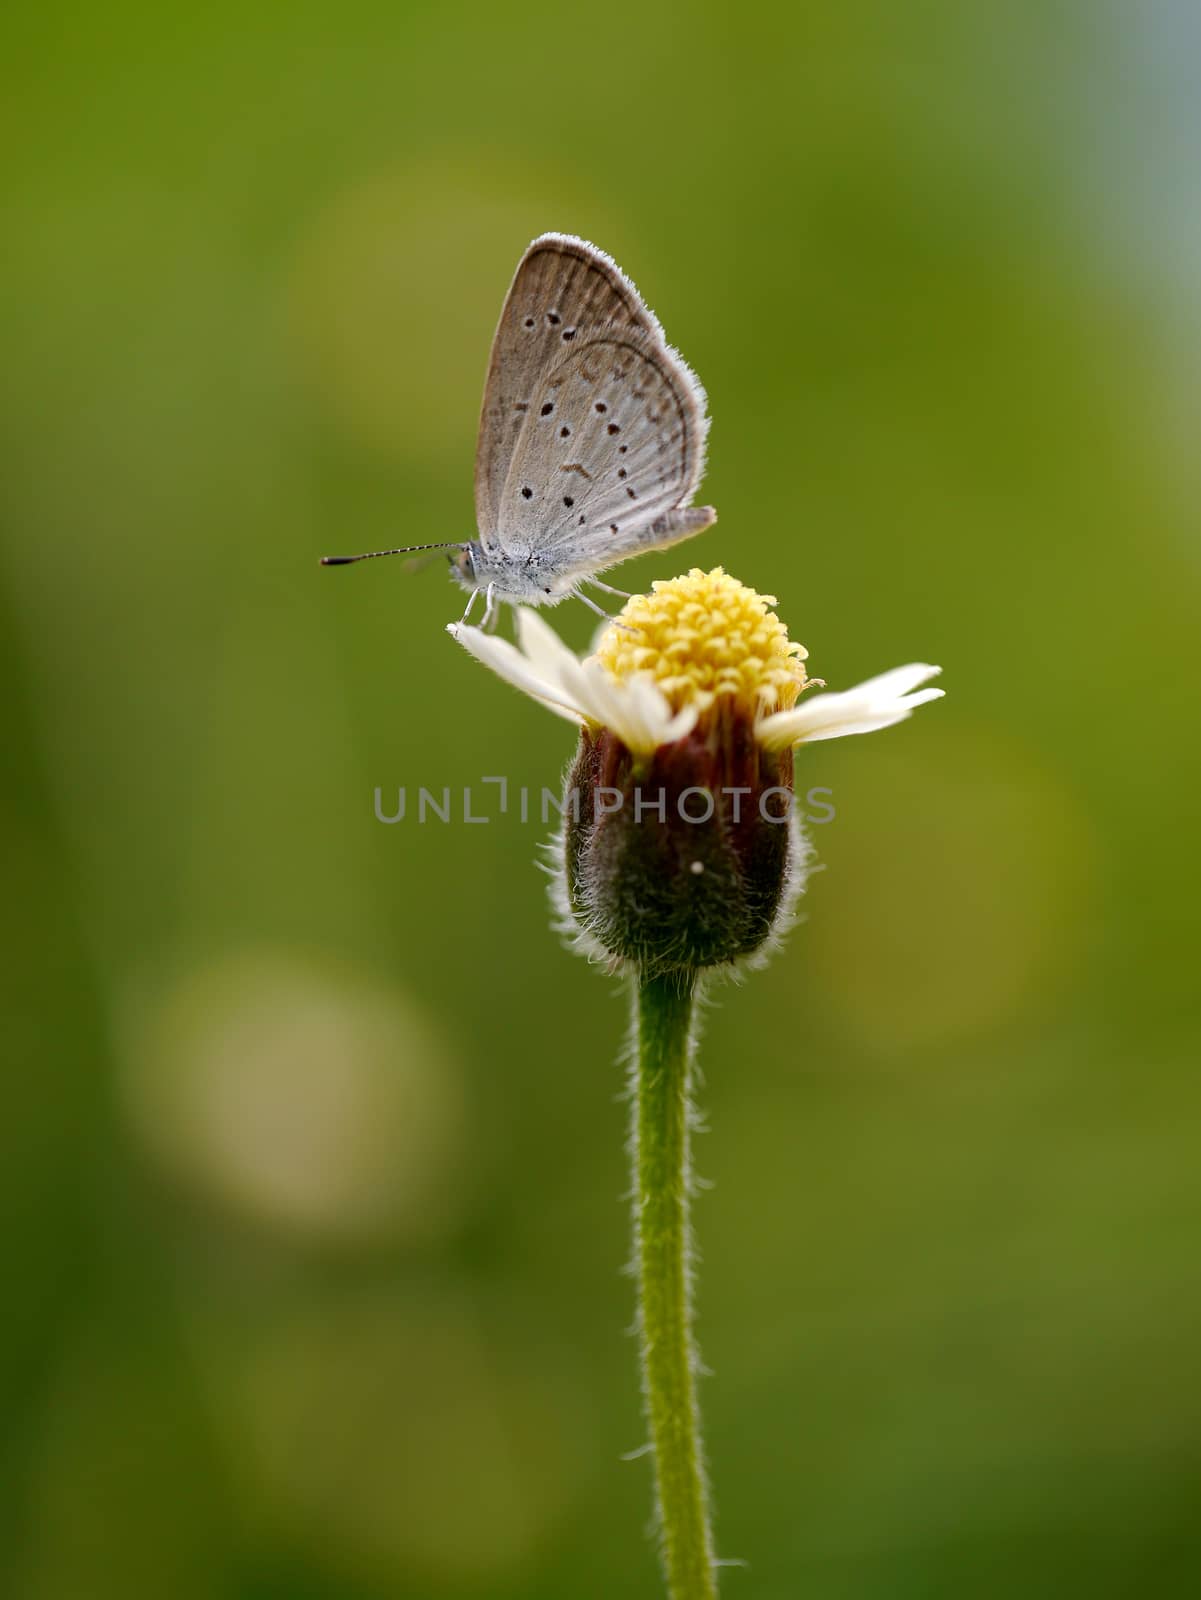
x=670 y=655
x=681 y=850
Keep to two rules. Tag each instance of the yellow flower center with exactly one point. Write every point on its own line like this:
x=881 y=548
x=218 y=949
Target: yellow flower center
x=705 y=636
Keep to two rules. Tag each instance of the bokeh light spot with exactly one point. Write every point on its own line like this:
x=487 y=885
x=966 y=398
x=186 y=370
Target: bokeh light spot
x=301 y=1097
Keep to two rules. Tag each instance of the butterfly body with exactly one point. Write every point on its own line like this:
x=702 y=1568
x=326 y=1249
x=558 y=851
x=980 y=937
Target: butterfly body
x=543 y=577
x=533 y=582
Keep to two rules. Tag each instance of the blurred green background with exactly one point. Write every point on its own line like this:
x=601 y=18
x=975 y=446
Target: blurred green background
x=311 y=1153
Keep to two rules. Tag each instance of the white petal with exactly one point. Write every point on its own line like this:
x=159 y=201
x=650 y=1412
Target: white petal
x=649 y=718
x=900 y=680
x=509 y=663
x=635 y=709
x=877 y=703
x=591 y=690
x=542 y=646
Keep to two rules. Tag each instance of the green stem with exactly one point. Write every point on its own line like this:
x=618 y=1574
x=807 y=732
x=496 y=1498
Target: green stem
x=662 y=1066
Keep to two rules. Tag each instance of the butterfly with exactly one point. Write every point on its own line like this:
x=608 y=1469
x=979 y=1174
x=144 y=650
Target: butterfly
x=592 y=436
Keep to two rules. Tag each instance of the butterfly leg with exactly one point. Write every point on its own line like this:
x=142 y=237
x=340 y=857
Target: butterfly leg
x=491 y=611
x=470 y=607
x=592 y=606
x=622 y=594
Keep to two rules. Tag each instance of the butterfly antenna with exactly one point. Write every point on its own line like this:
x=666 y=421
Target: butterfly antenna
x=401 y=550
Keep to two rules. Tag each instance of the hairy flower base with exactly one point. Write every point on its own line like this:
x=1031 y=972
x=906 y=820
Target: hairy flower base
x=667 y=895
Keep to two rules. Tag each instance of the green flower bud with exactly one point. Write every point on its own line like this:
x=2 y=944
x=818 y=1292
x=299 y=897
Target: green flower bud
x=688 y=859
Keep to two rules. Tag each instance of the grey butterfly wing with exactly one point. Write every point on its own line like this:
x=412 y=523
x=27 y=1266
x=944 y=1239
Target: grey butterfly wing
x=610 y=454
x=565 y=292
